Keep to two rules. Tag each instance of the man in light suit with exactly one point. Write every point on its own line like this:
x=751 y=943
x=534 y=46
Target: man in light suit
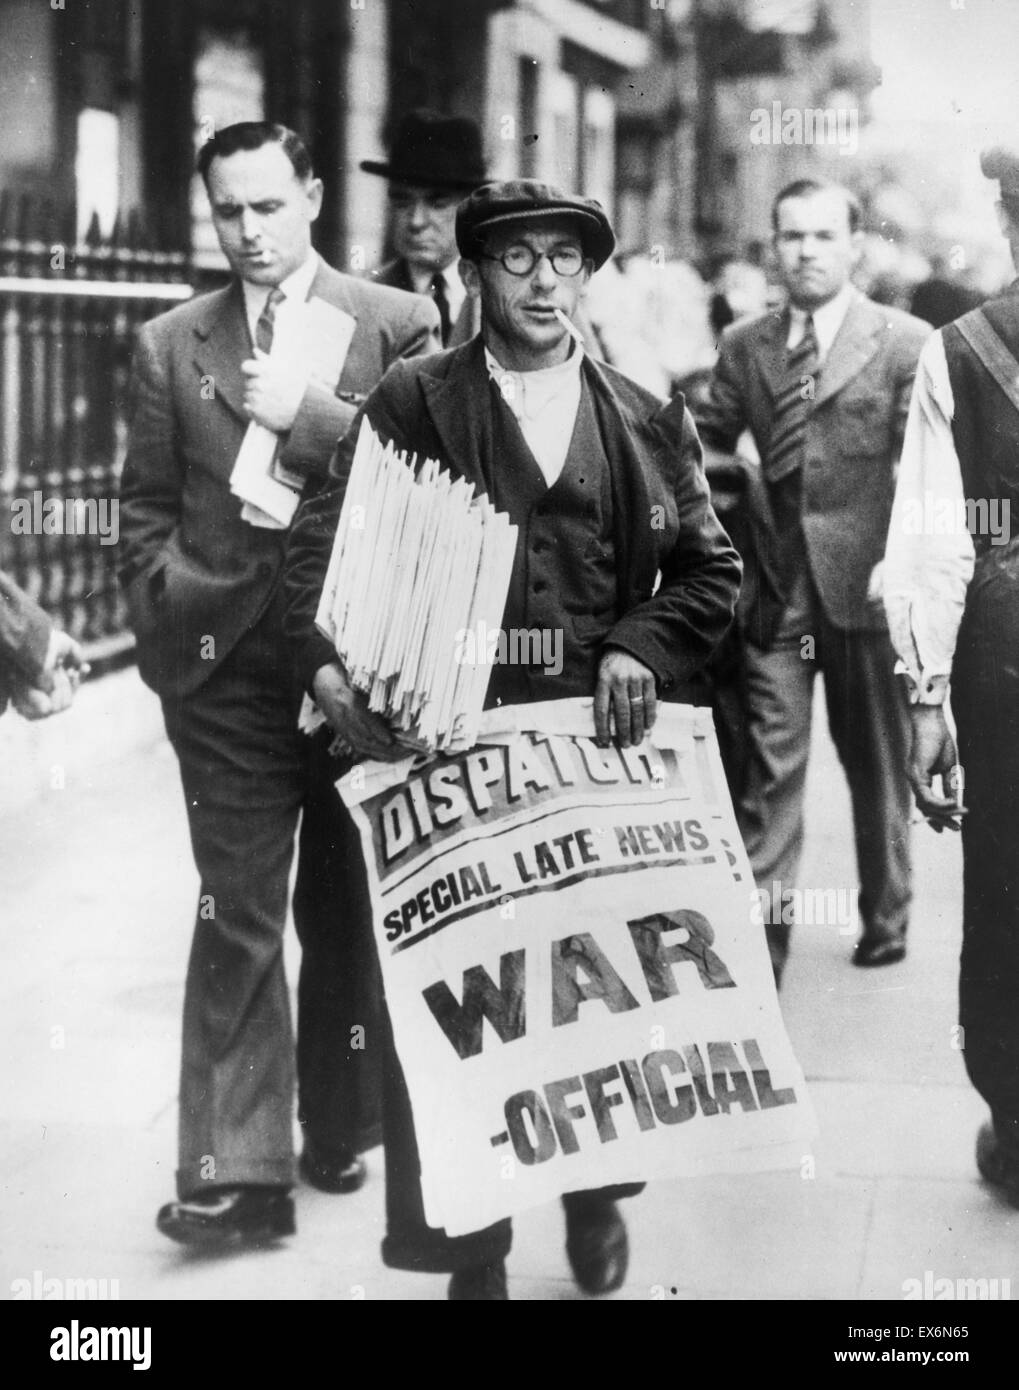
x=434 y=162
x=201 y=571
x=824 y=388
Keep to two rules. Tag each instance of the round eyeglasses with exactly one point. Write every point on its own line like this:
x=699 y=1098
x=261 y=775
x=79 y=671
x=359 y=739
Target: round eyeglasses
x=520 y=259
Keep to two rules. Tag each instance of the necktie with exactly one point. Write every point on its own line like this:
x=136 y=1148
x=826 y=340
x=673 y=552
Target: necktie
x=442 y=304
x=784 y=470
x=267 y=319
x=792 y=406
x=264 y=330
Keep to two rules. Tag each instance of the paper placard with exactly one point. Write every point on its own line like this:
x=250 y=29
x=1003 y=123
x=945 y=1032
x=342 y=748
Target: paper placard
x=579 y=987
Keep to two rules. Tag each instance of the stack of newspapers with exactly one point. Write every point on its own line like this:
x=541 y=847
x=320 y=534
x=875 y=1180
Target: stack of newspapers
x=418 y=564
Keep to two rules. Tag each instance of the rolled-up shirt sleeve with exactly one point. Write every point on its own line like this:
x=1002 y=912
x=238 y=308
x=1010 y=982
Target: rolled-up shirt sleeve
x=929 y=553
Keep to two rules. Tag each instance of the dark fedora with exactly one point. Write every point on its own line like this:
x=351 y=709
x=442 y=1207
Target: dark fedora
x=433 y=151
x=528 y=201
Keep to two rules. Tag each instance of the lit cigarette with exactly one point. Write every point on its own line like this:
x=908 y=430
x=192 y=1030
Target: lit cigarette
x=571 y=328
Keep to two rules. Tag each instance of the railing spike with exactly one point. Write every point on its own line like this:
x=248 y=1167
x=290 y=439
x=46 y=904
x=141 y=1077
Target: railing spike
x=94 y=235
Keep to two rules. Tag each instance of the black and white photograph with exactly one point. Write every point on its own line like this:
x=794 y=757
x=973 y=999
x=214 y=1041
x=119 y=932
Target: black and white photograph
x=508 y=610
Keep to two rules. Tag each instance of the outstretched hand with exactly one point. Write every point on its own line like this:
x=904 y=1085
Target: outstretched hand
x=59 y=679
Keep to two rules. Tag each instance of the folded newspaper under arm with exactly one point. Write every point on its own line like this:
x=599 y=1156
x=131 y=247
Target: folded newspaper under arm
x=267 y=502
x=417 y=562
x=315 y=338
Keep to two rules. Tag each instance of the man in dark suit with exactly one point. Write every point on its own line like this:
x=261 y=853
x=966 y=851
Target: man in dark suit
x=824 y=387
x=202 y=575
x=434 y=162
x=607 y=488
x=952 y=582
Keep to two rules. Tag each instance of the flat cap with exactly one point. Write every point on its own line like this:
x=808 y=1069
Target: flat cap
x=1001 y=162
x=528 y=201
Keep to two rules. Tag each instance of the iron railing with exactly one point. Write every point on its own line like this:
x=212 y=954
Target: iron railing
x=69 y=312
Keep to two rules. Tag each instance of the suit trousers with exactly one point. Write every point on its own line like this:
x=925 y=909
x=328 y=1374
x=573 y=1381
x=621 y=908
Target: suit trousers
x=248 y=778
x=869 y=724
x=985 y=699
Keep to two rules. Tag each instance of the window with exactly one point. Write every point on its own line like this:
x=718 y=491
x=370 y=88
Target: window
x=599 y=146
x=229 y=86
x=528 y=122
x=564 y=100
x=96 y=169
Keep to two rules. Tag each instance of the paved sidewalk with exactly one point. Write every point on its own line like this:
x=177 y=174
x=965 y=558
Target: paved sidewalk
x=98 y=891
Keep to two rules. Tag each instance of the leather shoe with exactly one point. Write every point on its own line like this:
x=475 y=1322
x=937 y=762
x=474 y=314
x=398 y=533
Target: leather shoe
x=879 y=950
x=480 y=1282
x=230 y=1216
x=997 y=1166
x=597 y=1245
x=344 y=1173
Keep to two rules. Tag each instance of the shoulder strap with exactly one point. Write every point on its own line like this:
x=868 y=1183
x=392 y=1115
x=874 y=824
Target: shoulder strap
x=992 y=351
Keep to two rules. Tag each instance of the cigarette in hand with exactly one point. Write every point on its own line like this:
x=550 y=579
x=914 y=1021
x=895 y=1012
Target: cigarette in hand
x=571 y=328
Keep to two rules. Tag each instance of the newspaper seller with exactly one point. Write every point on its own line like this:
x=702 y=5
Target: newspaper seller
x=618 y=550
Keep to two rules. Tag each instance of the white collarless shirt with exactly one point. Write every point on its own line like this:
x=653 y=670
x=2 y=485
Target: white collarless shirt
x=929 y=556
x=545 y=405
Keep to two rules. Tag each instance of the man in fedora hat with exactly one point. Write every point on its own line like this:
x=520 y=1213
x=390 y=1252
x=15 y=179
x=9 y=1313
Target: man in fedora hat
x=434 y=162
x=607 y=489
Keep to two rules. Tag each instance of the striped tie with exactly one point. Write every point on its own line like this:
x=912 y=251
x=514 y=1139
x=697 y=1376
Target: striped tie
x=264 y=330
x=793 y=405
x=267 y=319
